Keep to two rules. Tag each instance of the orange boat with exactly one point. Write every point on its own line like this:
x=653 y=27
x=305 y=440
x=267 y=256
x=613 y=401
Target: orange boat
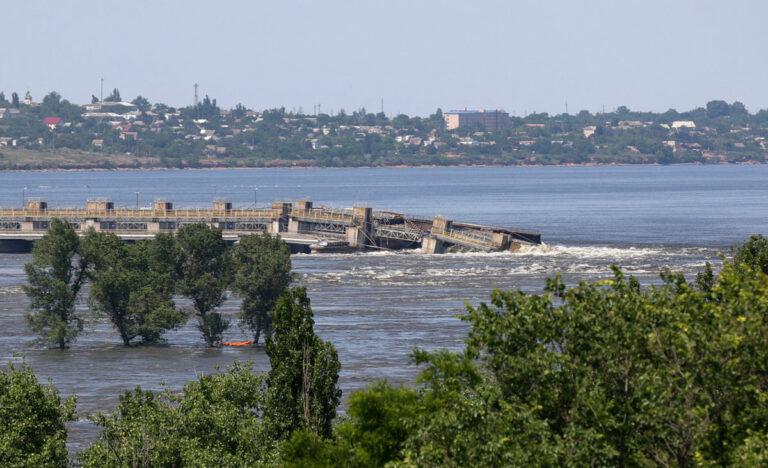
x=237 y=343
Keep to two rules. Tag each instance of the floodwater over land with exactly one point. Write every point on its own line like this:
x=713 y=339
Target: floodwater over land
x=376 y=307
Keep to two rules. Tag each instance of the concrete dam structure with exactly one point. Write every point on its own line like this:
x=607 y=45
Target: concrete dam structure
x=304 y=227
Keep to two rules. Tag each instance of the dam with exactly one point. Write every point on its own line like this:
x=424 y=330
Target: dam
x=302 y=225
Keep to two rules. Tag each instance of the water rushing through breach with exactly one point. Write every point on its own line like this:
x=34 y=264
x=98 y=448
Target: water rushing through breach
x=376 y=307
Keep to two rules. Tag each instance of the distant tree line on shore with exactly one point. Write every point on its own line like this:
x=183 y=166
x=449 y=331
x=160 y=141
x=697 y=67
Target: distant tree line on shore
x=206 y=135
x=603 y=373
x=133 y=285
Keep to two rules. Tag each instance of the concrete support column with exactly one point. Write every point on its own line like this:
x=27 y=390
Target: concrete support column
x=361 y=234
x=441 y=225
x=500 y=240
x=274 y=227
x=431 y=245
x=27 y=226
x=295 y=226
x=356 y=237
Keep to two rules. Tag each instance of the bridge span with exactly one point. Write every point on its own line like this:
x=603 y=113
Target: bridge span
x=303 y=226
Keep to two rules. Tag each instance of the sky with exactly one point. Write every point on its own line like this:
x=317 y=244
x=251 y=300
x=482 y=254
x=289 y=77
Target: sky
x=415 y=55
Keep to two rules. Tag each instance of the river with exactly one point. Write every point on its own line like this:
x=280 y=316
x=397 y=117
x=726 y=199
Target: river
x=376 y=307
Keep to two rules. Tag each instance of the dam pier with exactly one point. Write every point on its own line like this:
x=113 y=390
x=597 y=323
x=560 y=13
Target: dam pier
x=303 y=226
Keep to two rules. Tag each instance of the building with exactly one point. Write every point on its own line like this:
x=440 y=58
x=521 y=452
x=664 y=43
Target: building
x=9 y=113
x=491 y=120
x=677 y=124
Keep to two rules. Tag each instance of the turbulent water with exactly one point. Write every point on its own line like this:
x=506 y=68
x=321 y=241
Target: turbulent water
x=377 y=307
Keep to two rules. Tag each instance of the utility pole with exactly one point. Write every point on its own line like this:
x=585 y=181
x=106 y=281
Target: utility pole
x=566 y=107
x=382 y=105
x=101 y=90
x=137 y=200
x=24 y=197
x=255 y=200
x=196 y=99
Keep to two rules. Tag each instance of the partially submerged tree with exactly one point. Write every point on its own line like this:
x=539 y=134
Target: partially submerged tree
x=55 y=275
x=262 y=272
x=131 y=288
x=303 y=380
x=203 y=264
x=32 y=418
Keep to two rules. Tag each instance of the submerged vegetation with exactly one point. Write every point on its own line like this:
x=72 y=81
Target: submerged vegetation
x=133 y=284
x=604 y=373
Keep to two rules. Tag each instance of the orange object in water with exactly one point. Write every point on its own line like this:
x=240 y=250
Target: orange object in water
x=237 y=343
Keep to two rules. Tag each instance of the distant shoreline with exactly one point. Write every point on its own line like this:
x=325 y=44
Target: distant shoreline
x=225 y=167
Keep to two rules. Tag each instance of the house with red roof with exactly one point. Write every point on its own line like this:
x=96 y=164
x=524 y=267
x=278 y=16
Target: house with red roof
x=52 y=122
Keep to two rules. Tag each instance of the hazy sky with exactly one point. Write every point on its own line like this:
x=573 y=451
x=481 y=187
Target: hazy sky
x=417 y=55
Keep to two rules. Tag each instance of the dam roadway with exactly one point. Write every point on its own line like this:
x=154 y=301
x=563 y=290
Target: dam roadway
x=303 y=226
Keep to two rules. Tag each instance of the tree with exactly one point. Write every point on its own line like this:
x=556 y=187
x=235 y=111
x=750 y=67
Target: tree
x=374 y=433
x=114 y=97
x=94 y=99
x=262 y=272
x=717 y=109
x=213 y=422
x=55 y=275
x=32 y=418
x=15 y=100
x=303 y=380
x=131 y=288
x=204 y=276
x=142 y=103
x=600 y=374
x=753 y=252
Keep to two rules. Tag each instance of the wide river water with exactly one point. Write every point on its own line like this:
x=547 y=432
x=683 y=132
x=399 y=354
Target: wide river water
x=377 y=307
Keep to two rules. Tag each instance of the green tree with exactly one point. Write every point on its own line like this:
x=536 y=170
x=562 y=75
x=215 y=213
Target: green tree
x=32 y=418
x=378 y=424
x=262 y=272
x=215 y=421
x=131 y=288
x=303 y=380
x=15 y=100
x=600 y=374
x=204 y=275
x=114 y=97
x=753 y=252
x=55 y=275
x=142 y=103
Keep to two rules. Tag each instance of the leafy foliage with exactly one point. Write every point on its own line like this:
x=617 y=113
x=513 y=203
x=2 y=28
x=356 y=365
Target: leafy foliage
x=133 y=287
x=303 y=380
x=55 y=275
x=214 y=422
x=262 y=271
x=32 y=418
x=604 y=373
x=204 y=275
x=753 y=252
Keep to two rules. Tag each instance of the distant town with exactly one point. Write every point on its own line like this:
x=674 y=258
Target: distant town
x=112 y=132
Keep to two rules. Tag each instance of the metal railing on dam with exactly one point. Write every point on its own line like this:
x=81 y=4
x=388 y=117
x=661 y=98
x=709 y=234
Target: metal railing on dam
x=300 y=224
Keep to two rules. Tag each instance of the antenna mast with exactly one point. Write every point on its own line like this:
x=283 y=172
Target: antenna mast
x=101 y=93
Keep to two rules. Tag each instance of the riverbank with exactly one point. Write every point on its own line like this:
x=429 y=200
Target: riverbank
x=17 y=160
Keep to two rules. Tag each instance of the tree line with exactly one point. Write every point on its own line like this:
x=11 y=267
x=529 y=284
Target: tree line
x=603 y=373
x=134 y=285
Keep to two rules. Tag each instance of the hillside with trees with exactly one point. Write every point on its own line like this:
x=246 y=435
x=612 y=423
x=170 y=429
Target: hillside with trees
x=114 y=133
